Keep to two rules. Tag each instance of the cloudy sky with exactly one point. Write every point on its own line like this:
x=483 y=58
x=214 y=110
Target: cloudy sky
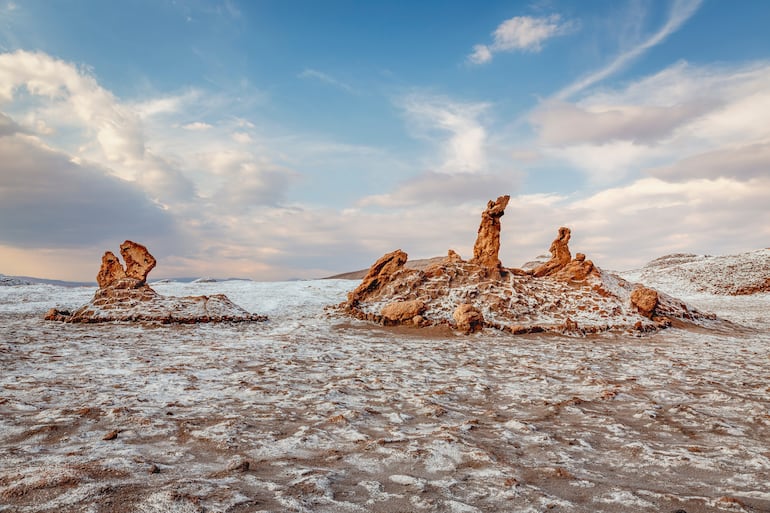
x=295 y=139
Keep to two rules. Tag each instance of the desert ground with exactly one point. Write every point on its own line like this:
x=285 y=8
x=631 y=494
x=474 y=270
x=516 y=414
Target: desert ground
x=314 y=412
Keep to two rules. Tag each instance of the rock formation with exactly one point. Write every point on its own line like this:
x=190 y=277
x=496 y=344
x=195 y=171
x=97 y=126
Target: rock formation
x=468 y=318
x=124 y=295
x=487 y=246
x=645 y=300
x=401 y=312
x=563 y=295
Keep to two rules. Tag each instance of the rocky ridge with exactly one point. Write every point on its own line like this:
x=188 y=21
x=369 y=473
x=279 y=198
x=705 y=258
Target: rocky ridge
x=732 y=275
x=564 y=294
x=124 y=295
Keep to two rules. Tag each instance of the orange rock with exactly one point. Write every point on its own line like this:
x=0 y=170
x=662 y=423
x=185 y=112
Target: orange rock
x=402 y=311
x=487 y=246
x=139 y=261
x=379 y=274
x=576 y=270
x=645 y=300
x=468 y=318
x=125 y=296
x=560 y=255
x=452 y=256
x=110 y=271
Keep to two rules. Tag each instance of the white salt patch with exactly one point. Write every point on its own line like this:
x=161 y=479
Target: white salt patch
x=461 y=507
x=443 y=456
x=167 y=502
x=624 y=498
x=408 y=481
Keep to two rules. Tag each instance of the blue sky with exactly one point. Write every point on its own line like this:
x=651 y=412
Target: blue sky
x=286 y=139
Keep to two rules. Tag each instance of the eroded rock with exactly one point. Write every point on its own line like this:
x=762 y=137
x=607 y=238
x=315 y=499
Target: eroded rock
x=124 y=295
x=110 y=271
x=562 y=295
x=487 y=247
x=379 y=274
x=468 y=318
x=645 y=300
x=400 y=312
x=560 y=255
x=139 y=261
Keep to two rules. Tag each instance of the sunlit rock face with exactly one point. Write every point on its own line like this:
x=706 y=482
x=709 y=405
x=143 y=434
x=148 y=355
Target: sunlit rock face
x=487 y=247
x=124 y=295
x=562 y=295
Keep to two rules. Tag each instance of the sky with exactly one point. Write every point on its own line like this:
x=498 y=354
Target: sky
x=290 y=139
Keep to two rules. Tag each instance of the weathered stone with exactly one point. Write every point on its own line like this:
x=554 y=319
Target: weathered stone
x=127 y=297
x=468 y=318
x=139 y=261
x=452 y=256
x=560 y=255
x=110 y=271
x=576 y=270
x=400 y=312
x=379 y=274
x=442 y=294
x=645 y=300
x=487 y=247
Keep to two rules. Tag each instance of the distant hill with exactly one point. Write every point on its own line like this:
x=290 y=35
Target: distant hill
x=741 y=274
x=28 y=280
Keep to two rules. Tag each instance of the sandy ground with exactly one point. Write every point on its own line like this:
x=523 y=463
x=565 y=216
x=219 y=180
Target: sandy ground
x=312 y=412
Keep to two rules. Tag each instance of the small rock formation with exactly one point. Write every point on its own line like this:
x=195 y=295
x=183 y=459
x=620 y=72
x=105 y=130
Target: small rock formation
x=578 y=269
x=379 y=274
x=124 y=295
x=468 y=318
x=487 y=246
x=401 y=312
x=563 y=295
x=560 y=255
x=645 y=300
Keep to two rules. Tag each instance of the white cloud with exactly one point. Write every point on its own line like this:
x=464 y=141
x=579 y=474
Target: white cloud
x=455 y=127
x=481 y=54
x=741 y=163
x=681 y=11
x=326 y=79
x=197 y=126
x=561 y=123
x=524 y=33
x=47 y=200
x=242 y=137
x=443 y=189
x=71 y=95
x=683 y=123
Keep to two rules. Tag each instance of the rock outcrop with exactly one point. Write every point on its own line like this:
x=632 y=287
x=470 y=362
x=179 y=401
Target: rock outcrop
x=124 y=295
x=468 y=318
x=645 y=300
x=401 y=312
x=563 y=295
x=487 y=247
x=379 y=274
